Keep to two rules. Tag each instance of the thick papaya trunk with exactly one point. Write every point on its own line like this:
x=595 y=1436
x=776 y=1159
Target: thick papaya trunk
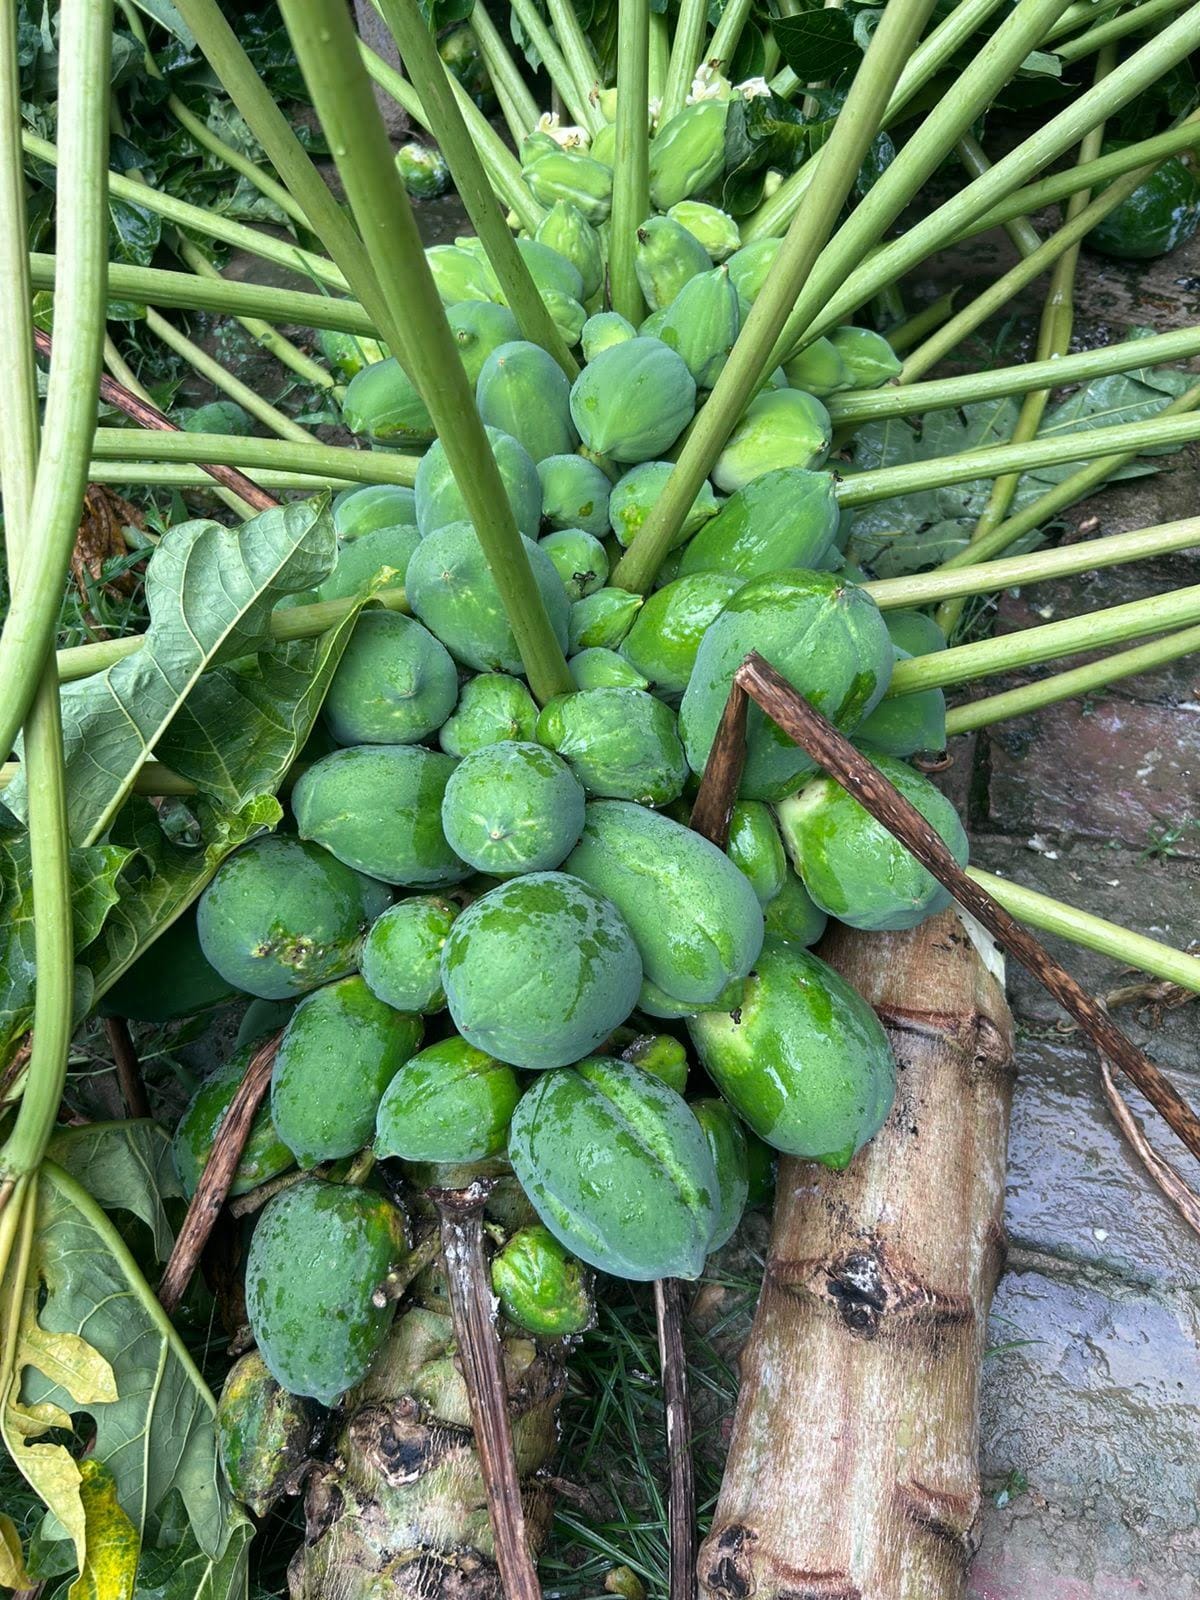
x=852 y=1470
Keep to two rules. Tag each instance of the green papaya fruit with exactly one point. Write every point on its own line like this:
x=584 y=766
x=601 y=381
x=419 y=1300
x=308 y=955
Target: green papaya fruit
x=779 y=428
x=440 y=501
x=603 y=330
x=574 y=494
x=715 y=229
x=702 y=322
x=634 y=496
x=828 y=640
x=281 y=916
x=792 y=914
x=459 y=50
x=853 y=867
x=602 y=619
x=450 y=1103
x=915 y=632
x=649 y=326
x=580 y=560
x=170 y=979
x=539 y=970
x=218 y=416
x=660 y=1055
x=727 y=1145
x=803 y=1060
x=379 y=808
x=656 y=1002
x=401 y=958
x=374 y=506
x=451 y=588
x=552 y=270
x=260 y=1018
x=565 y=229
x=423 y=170
x=748 y=267
x=633 y=401
x=619 y=743
x=569 y=175
x=666 y=256
x=542 y=1287
x=348 y=353
x=461 y=275
x=604 y=669
x=567 y=314
x=512 y=807
x=666 y=633
x=867 y=356
x=756 y=849
x=394 y=684
x=695 y=918
x=643 y=1205
x=264 y=1435
x=784 y=518
x=341 y=1049
x=382 y=403
x=817 y=369
x=688 y=153
x=479 y=327
x=537 y=144
x=1160 y=214
x=525 y=393
x=491 y=707
x=377 y=560
x=264 y=1156
x=906 y=724
x=319 y=1252
x=761 y=1162
x=603 y=147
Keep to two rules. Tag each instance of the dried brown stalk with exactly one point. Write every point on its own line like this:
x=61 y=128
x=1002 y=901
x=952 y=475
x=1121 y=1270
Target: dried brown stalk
x=129 y=1068
x=681 y=1508
x=1180 y=1193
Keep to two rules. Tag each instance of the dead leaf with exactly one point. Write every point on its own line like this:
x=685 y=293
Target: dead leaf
x=101 y=537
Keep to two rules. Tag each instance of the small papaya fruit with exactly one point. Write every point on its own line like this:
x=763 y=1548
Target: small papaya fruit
x=565 y=229
x=401 y=959
x=748 y=267
x=787 y=517
x=665 y=635
x=656 y=1002
x=512 y=807
x=702 y=323
x=461 y=275
x=715 y=229
x=569 y=175
x=657 y=1053
x=603 y=330
x=492 y=707
x=451 y=1102
x=634 y=496
x=914 y=631
x=598 y=668
x=793 y=914
x=574 y=494
x=779 y=428
x=479 y=327
x=552 y=270
x=542 y=1287
x=580 y=560
x=348 y=353
x=423 y=170
x=264 y=1434
x=620 y=743
x=525 y=393
x=726 y=1142
x=818 y=369
x=264 y=1156
x=440 y=501
x=602 y=619
x=633 y=401
x=687 y=153
x=867 y=356
x=666 y=256
x=567 y=314
x=394 y=684
x=382 y=403
x=756 y=849
x=906 y=724
x=374 y=506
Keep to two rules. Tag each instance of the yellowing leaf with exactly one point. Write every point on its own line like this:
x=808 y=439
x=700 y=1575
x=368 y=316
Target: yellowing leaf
x=111 y=1563
x=12 y=1558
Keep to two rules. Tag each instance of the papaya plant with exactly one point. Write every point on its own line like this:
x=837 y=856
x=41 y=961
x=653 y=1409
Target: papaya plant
x=431 y=726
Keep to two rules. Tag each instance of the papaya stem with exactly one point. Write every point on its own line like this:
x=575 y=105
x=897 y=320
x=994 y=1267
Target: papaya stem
x=726 y=34
x=1023 y=235
x=323 y=460
x=631 y=166
x=577 y=53
x=575 y=95
x=685 y=56
x=681 y=1514
x=1107 y=33
x=522 y=109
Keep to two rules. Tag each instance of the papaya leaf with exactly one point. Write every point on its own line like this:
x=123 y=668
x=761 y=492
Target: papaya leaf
x=110 y=1566
x=151 y=1415
x=819 y=46
x=12 y=1558
x=125 y=1166
x=183 y=1572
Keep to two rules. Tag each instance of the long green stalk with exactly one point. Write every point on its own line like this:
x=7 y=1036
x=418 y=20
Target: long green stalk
x=898 y=30
x=577 y=53
x=1022 y=233
x=182 y=475
x=1141 y=16
x=505 y=74
x=416 y=45
x=327 y=50
x=539 y=35
x=1093 y=933
x=658 y=58
x=727 y=33
x=685 y=56
x=284 y=455
x=631 y=169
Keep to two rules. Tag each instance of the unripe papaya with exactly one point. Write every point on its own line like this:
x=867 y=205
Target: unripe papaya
x=603 y=330
x=264 y=1156
x=580 y=560
x=803 y=1059
x=867 y=356
x=461 y=275
x=512 y=807
x=217 y=416
x=779 y=428
x=491 y=707
x=449 y=1103
x=479 y=327
x=727 y=1145
x=535 y=145
x=665 y=258
x=341 y=1049
x=171 y=978
x=620 y=743
x=539 y=970
x=423 y=170
x=748 y=267
x=401 y=959
x=348 y=353
x=702 y=322
x=568 y=175
x=525 y=393
x=451 y=588
x=666 y=633
x=634 y=496
x=379 y=808
x=818 y=369
x=604 y=669
x=552 y=270
x=715 y=229
x=376 y=505
x=656 y=1002
x=574 y=494
x=602 y=619
x=281 y=916
x=688 y=153
x=542 y=1287
x=565 y=229
x=906 y=724
x=382 y=403
x=395 y=683
x=440 y=501
x=264 y=1434
x=785 y=518
x=567 y=314
x=696 y=919
x=853 y=867
x=1160 y=214
x=645 y=1202
x=317 y=1329
x=828 y=640
x=378 y=560
x=633 y=401
x=914 y=631
x=658 y=1054
x=793 y=914
x=756 y=849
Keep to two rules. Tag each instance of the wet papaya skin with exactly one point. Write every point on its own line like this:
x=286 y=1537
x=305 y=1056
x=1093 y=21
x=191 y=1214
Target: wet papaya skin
x=617 y=1168
x=265 y=1154
x=524 y=392
x=660 y=1055
x=756 y=849
x=780 y=428
x=376 y=505
x=439 y=500
x=793 y=914
x=803 y=1061
x=598 y=668
x=374 y=560
x=318 y=1253
x=449 y=1103
x=602 y=619
x=666 y=633
x=512 y=807
x=264 y=1434
x=580 y=560
x=491 y=707
x=784 y=518
x=574 y=494
x=395 y=683
x=633 y=401
x=401 y=958
x=634 y=496
x=619 y=743
x=542 y=1287
x=726 y=1142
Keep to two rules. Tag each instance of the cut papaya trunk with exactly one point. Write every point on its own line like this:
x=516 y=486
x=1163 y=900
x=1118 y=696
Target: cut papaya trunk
x=853 y=1463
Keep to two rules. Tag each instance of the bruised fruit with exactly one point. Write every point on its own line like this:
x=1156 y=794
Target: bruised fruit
x=620 y=743
x=450 y=1103
x=666 y=632
x=580 y=560
x=602 y=619
x=726 y=1142
x=319 y=1252
x=542 y=1287
x=401 y=958
x=784 y=518
x=512 y=807
x=803 y=1060
x=574 y=494
x=635 y=496
x=853 y=867
x=451 y=588
x=264 y=1156
x=539 y=970
x=696 y=919
x=617 y=1168
x=342 y=1048
x=598 y=668
x=633 y=401
x=440 y=501
x=394 y=684
x=377 y=505
x=526 y=394
x=281 y=916
x=379 y=808
x=491 y=707
x=793 y=914
x=264 y=1435
x=756 y=849
x=779 y=428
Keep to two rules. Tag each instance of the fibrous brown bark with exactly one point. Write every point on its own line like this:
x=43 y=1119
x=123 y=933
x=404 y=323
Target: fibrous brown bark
x=852 y=1469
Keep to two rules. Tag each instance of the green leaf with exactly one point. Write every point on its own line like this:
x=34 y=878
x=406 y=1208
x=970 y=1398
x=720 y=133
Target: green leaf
x=183 y=1572
x=819 y=46
x=124 y=1166
x=134 y=233
x=165 y=14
